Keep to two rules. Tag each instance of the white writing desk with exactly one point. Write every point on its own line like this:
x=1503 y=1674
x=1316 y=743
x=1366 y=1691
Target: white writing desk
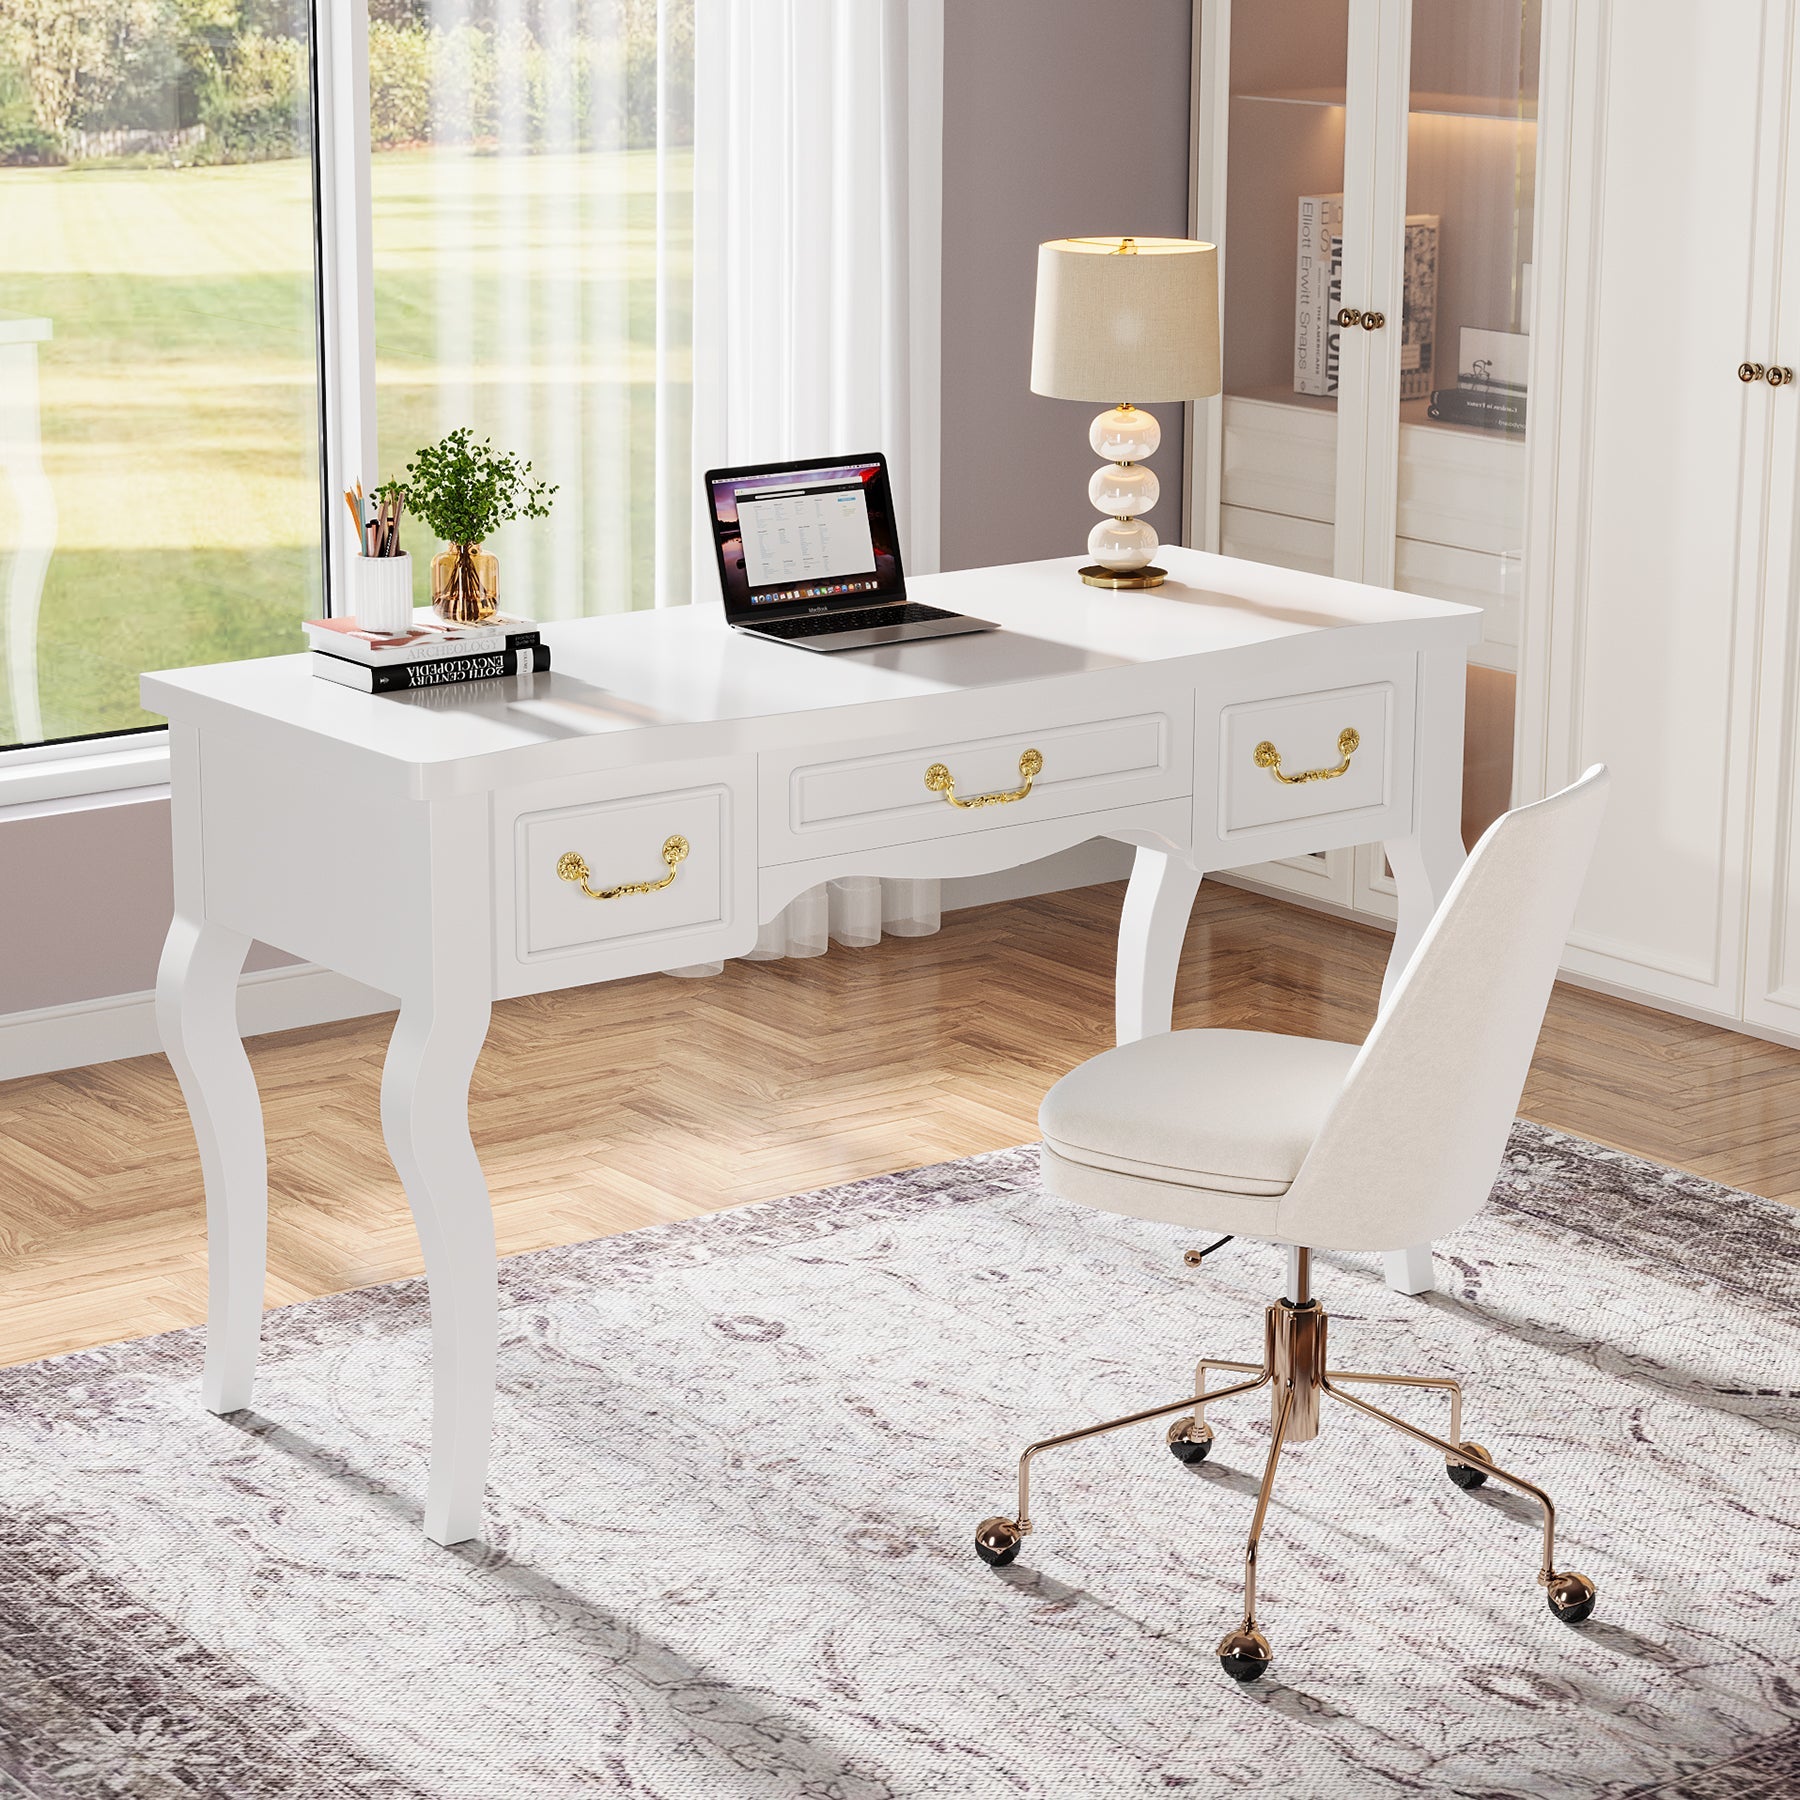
x=418 y=842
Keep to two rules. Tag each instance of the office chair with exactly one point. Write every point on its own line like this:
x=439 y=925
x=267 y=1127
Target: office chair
x=1324 y=1146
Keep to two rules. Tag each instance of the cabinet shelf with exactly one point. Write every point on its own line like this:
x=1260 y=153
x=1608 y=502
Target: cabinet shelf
x=1509 y=109
x=1412 y=412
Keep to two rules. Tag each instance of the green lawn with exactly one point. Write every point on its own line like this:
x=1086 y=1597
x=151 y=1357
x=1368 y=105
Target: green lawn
x=179 y=407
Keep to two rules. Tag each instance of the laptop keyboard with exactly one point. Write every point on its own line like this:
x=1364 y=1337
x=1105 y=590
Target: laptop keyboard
x=823 y=624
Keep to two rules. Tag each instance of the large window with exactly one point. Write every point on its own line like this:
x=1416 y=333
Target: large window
x=160 y=404
x=159 y=413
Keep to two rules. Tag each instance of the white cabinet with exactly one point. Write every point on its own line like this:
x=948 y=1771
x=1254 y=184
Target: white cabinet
x=1772 y=986
x=1635 y=552
x=1663 y=599
x=1368 y=170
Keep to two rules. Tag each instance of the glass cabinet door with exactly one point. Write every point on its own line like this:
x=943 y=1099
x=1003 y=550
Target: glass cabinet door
x=1471 y=167
x=1390 y=450
x=1282 y=234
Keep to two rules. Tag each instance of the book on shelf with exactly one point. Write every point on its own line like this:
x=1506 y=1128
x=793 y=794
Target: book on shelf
x=1318 y=293
x=1334 y=298
x=1311 y=302
x=1418 y=310
x=432 y=672
x=427 y=640
x=1493 y=409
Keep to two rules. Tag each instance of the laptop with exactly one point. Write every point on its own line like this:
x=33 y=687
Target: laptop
x=809 y=556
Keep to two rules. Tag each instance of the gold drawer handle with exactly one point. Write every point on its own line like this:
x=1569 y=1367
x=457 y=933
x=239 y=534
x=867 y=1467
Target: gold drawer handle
x=572 y=866
x=941 y=781
x=1268 y=757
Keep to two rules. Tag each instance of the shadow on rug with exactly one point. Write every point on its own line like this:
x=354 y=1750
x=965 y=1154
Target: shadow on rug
x=737 y=1465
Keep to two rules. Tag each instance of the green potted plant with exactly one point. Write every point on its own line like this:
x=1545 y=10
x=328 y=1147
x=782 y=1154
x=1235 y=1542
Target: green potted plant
x=464 y=491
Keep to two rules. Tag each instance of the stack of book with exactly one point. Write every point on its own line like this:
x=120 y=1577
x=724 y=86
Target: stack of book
x=1490 y=382
x=429 y=655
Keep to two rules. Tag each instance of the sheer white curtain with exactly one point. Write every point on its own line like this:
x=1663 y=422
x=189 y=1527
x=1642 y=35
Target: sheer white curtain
x=531 y=233
x=817 y=220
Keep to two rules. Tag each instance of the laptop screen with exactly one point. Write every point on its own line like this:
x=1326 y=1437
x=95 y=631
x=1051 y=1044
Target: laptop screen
x=805 y=537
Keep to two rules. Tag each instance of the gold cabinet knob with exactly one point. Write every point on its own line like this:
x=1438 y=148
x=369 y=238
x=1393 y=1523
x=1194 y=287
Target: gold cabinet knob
x=1373 y=321
x=1349 y=318
x=1777 y=376
x=1751 y=371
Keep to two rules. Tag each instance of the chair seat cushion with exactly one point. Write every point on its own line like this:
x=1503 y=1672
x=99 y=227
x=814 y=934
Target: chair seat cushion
x=1234 y=1112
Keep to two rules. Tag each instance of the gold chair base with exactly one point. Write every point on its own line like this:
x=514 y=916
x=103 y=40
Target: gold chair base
x=1294 y=1368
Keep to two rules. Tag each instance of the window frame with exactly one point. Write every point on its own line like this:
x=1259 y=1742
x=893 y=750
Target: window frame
x=344 y=314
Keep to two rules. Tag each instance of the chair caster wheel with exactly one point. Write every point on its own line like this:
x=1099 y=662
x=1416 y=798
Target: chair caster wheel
x=1464 y=1474
x=997 y=1541
x=1244 y=1654
x=1571 y=1596
x=1189 y=1440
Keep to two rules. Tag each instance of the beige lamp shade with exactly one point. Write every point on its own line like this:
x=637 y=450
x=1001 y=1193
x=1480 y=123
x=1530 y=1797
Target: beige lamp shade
x=1126 y=319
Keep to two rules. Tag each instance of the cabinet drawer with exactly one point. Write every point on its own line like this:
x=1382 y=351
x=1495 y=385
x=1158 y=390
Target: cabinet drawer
x=1361 y=734
x=945 y=787
x=595 y=881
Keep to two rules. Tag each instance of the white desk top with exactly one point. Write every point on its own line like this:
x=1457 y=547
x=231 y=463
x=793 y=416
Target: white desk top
x=684 y=667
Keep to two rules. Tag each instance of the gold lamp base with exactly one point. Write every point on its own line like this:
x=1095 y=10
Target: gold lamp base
x=1099 y=575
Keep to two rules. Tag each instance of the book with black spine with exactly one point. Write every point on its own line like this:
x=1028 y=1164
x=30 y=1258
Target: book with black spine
x=432 y=672
x=1493 y=409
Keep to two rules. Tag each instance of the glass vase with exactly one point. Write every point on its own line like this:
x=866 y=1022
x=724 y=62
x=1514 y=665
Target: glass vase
x=465 y=584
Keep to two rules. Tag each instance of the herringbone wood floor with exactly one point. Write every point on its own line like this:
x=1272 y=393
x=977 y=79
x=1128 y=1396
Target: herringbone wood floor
x=602 y=1109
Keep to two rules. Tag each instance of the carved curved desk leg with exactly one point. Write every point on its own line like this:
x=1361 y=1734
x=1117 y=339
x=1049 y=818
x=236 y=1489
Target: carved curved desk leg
x=196 y=1012
x=1151 y=931
x=425 y=1119
x=1426 y=863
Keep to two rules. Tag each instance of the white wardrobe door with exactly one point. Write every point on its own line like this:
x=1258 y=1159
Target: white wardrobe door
x=1772 y=962
x=1659 y=516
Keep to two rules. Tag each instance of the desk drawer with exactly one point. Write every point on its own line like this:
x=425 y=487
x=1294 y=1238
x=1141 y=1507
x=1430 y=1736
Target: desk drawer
x=596 y=881
x=926 y=788
x=1339 y=754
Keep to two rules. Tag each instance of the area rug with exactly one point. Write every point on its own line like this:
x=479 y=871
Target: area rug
x=737 y=1465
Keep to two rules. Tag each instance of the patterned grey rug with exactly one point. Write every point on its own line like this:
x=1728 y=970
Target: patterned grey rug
x=738 y=1463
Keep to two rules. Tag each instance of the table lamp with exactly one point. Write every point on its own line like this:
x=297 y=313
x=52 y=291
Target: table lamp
x=1131 y=316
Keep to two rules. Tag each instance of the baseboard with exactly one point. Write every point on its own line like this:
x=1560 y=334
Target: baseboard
x=1099 y=859
x=1724 y=1021
x=1570 y=978
x=283 y=999
x=121 y=1025
x=1334 y=909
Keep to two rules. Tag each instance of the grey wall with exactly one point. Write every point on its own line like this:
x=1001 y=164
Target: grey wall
x=1062 y=118
x=87 y=896
x=86 y=890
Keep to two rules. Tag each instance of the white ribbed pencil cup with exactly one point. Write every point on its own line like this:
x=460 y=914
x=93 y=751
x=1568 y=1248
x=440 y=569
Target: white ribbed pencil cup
x=381 y=596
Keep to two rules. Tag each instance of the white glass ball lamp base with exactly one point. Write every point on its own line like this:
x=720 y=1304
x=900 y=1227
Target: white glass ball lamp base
x=1125 y=434
x=1122 y=544
x=1124 y=490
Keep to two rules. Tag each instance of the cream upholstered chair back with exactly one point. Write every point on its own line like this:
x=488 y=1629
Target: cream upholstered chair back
x=1411 y=1148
